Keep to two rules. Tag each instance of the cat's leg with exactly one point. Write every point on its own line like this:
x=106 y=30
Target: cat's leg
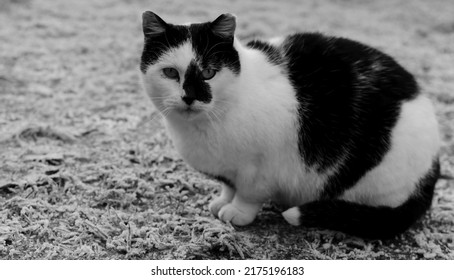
x=227 y=194
x=241 y=211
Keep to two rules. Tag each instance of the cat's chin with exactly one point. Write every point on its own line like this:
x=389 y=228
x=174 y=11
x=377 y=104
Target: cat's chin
x=189 y=113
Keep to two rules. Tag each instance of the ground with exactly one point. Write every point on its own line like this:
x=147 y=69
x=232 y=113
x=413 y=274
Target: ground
x=87 y=170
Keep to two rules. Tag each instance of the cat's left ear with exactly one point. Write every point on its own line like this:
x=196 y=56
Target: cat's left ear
x=224 y=26
x=152 y=24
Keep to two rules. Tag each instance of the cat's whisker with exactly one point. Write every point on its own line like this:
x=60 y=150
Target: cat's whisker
x=159 y=98
x=211 y=115
x=213 y=54
x=217 y=55
x=210 y=119
x=207 y=45
x=167 y=40
x=215 y=114
x=224 y=101
x=221 y=43
x=156 y=116
x=223 y=105
x=166 y=111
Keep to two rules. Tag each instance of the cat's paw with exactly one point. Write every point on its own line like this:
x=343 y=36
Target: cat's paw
x=230 y=213
x=216 y=205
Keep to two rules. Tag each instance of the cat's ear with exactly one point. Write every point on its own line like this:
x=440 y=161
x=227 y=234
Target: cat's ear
x=152 y=24
x=224 y=26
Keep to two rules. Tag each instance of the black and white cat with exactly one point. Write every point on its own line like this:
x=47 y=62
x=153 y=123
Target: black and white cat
x=332 y=129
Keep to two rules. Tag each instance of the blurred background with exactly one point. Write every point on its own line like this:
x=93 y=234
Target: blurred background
x=78 y=135
x=72 y=59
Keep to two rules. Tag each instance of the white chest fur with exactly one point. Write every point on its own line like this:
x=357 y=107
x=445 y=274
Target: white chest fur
x=198 y=144
x=255 y=143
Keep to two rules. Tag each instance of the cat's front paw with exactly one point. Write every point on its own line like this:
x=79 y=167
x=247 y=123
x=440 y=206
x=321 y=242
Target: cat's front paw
x=230 y=213
x=216 y=205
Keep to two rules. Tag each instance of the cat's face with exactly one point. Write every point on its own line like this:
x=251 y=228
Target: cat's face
x=188 y=67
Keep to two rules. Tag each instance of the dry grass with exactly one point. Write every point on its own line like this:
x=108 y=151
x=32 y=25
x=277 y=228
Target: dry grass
x=87 y=171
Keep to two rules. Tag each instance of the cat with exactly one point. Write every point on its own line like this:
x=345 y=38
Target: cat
x=333 y=130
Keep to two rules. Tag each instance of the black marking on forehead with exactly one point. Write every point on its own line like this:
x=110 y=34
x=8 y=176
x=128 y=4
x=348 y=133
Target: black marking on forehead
x=195 y=86
x=155 y=46
x=212 y=51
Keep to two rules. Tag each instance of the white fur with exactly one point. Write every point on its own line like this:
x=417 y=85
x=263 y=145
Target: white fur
x=414 y=145
x=292 y=216
x=248 y=135
x=276 y=41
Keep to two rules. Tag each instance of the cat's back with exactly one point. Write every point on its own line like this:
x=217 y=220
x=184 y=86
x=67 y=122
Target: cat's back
x=333 y=66
x=350 y=97
x=360 y=112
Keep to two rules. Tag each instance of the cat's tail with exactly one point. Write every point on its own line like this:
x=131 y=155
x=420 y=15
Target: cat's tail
x=365 y=221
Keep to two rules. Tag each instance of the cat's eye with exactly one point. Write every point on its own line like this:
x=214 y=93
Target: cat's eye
x=171 y=73
x=208 y=73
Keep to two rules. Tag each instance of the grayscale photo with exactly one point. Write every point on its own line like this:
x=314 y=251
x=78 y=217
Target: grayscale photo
x=227 y=130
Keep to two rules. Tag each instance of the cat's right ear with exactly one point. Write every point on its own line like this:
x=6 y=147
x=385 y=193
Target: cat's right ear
x=224 y=26
x=152 y=24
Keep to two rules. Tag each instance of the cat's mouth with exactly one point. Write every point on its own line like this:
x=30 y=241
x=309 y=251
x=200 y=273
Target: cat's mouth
x=189 y=111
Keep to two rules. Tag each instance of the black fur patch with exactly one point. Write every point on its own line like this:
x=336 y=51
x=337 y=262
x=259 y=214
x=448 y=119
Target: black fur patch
x=155 y=46
x=372 y=222
x=212 y=50
x=195 y=86
x=272 y=53
x=350 y=97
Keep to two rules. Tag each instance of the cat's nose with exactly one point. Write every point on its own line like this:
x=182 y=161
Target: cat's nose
x=188 y=99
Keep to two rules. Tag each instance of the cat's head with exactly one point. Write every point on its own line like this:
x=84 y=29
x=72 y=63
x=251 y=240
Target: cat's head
x=187 y=68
